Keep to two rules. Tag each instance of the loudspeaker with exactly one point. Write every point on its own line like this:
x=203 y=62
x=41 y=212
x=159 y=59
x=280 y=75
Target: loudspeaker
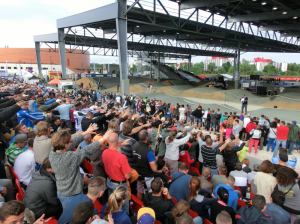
x=254 y=77
x=262 y=90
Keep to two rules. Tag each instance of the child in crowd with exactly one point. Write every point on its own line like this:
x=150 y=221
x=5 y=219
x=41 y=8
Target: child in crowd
x=184 y=156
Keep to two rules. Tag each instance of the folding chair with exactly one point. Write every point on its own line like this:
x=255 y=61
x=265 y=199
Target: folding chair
x=193 y=214
x=206 y=221
x=249 y=185
x=136 y=203
x=241 y=203
x=157 y=222
x=239 y=189
x=169 y=178
x=88 y=166
x=19 y=189
x=98 y=206
x=197 y=165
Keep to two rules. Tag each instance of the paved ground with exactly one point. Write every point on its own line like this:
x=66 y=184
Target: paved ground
x=282 y=114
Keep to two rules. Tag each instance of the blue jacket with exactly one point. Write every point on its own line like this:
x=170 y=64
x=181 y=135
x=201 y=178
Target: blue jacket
x=292 y=163
x=233 y=198
x=278 y=214
x=119 y=217
x=27 y=117
x=46 y=103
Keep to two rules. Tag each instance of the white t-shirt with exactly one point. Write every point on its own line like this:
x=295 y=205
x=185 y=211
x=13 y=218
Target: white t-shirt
x=25 y=166
x=118 y=99
x=281 y=89
x=246 y=121
x=181 y=113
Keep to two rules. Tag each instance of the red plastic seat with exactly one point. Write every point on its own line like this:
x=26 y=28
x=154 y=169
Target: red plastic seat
x=174 y=199
x=169 y=178
x=88 y=166
x=209 y=179
x=157 y=222
x=241 y=203
x=195 y=170
x=193 y=214
x=239 y=189
x=52 y=221
x=197 y=165
x=18 y=197
x=98 y=206
x=12 y=172
x=249 y=185
x=19 y=189
x=206 y=221
x=136 y=203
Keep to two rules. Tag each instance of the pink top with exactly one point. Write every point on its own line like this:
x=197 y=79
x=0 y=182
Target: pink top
x=228 y=132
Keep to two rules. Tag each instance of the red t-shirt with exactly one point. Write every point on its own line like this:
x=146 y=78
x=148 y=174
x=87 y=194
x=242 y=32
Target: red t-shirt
x=282 y=132
x=184 y=156
x=116 y=164
x=250 y=126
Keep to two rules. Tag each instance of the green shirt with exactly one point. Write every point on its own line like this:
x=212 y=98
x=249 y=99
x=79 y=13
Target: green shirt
x=12 y=153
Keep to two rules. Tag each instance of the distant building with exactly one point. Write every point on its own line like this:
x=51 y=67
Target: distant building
x=219 y=61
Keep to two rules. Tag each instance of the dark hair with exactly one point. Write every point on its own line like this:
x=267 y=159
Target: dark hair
x=156 y=185
x=285 y=177
x=30 y=142
x=142 y=120
x=143 y=134
x=283 y=122
x=63 y=124
x=83 y=212
x=127 y=127
x=282 y=150
x=31 y=134
x=157 y=123
x=55 y=119
x=223 y=194
x=11 y=208
x=267 y=167
x=278 y=197
x=46 y=164
x=259 y=202
x=185 y=147
x=160 y=164
x=89 y=114
x=18 y=127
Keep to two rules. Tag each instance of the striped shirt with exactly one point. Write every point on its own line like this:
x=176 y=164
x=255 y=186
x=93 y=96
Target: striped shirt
x=209 y=156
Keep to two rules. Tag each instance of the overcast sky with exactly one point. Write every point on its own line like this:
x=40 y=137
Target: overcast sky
x=22 y=19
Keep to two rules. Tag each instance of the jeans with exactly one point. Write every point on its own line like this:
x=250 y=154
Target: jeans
x=213 y=171
x=198 y=120
x=244 y=106
x=271 y=141
x=298 y=145
x=65 y=200
x=112 y=186
x=278 y=141
x=291 y=146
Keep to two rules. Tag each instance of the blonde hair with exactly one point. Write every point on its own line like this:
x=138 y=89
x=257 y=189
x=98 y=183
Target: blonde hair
x=60 y=139
x=42 y=128
x=173 y=135
x=114 y=201
x=113 y=125
x=180 y=208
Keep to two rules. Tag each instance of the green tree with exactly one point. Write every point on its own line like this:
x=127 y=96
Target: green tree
x=221 y=70
x=184 y=66
x=133 y=68
x=247 y=69
x=99 y=67
x=173 y=66
x=226 y=66
x=270 y=69
x=198 y=68
x=211 y=67
x=230 y=70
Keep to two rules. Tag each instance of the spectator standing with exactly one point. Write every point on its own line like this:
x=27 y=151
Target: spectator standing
x=282 y=135
x=213 y=121
x=272 y=136
x=172 y=150
x=181 y=112
x=198 y=115
x=41 y=193
x=293 y=136
x=236 y=129
x=244 y=101
x=255 y=138
x=265 y=183
x=118 y=169
x=24 y=165
x=274 y=208
x=64 y=112
x=145 y=161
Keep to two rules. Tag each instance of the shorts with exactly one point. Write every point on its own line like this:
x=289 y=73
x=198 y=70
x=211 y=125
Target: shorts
x=198 y=120
x=212 y=125
x=144 y=184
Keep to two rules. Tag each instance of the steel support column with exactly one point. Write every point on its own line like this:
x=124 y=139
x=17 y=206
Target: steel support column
x=158 y=71
x=62 y=52
x=38 y=57
x=237 y=72
x=234 y=63
x=121 y=23
x=190 y=62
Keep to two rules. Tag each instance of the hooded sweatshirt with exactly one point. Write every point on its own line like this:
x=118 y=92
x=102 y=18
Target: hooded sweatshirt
x=159 y=205
x=252 y=216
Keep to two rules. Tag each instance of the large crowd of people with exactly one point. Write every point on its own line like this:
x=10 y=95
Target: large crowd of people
x=78 y=156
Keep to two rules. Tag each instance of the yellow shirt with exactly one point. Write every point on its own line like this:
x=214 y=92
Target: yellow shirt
x=242 y=153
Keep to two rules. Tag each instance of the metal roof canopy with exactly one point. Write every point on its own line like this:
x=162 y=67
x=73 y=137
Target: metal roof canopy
x=276 y=15
x=158 y=31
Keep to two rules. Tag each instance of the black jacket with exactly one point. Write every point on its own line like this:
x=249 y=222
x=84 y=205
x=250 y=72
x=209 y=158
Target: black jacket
x=85 y=123
x=127 y=149
x=98 y=165
x=252 y=216
x=41 y=192
x=159 y=205
x=232 y=156
x=197 y=113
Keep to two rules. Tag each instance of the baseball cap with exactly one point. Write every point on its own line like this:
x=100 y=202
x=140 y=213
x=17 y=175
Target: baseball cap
x=283 y=157
x=99 y=221
x=146 y=215
x=294 y=122
x=256 y=167
x=21 y=138
x=248 y=115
